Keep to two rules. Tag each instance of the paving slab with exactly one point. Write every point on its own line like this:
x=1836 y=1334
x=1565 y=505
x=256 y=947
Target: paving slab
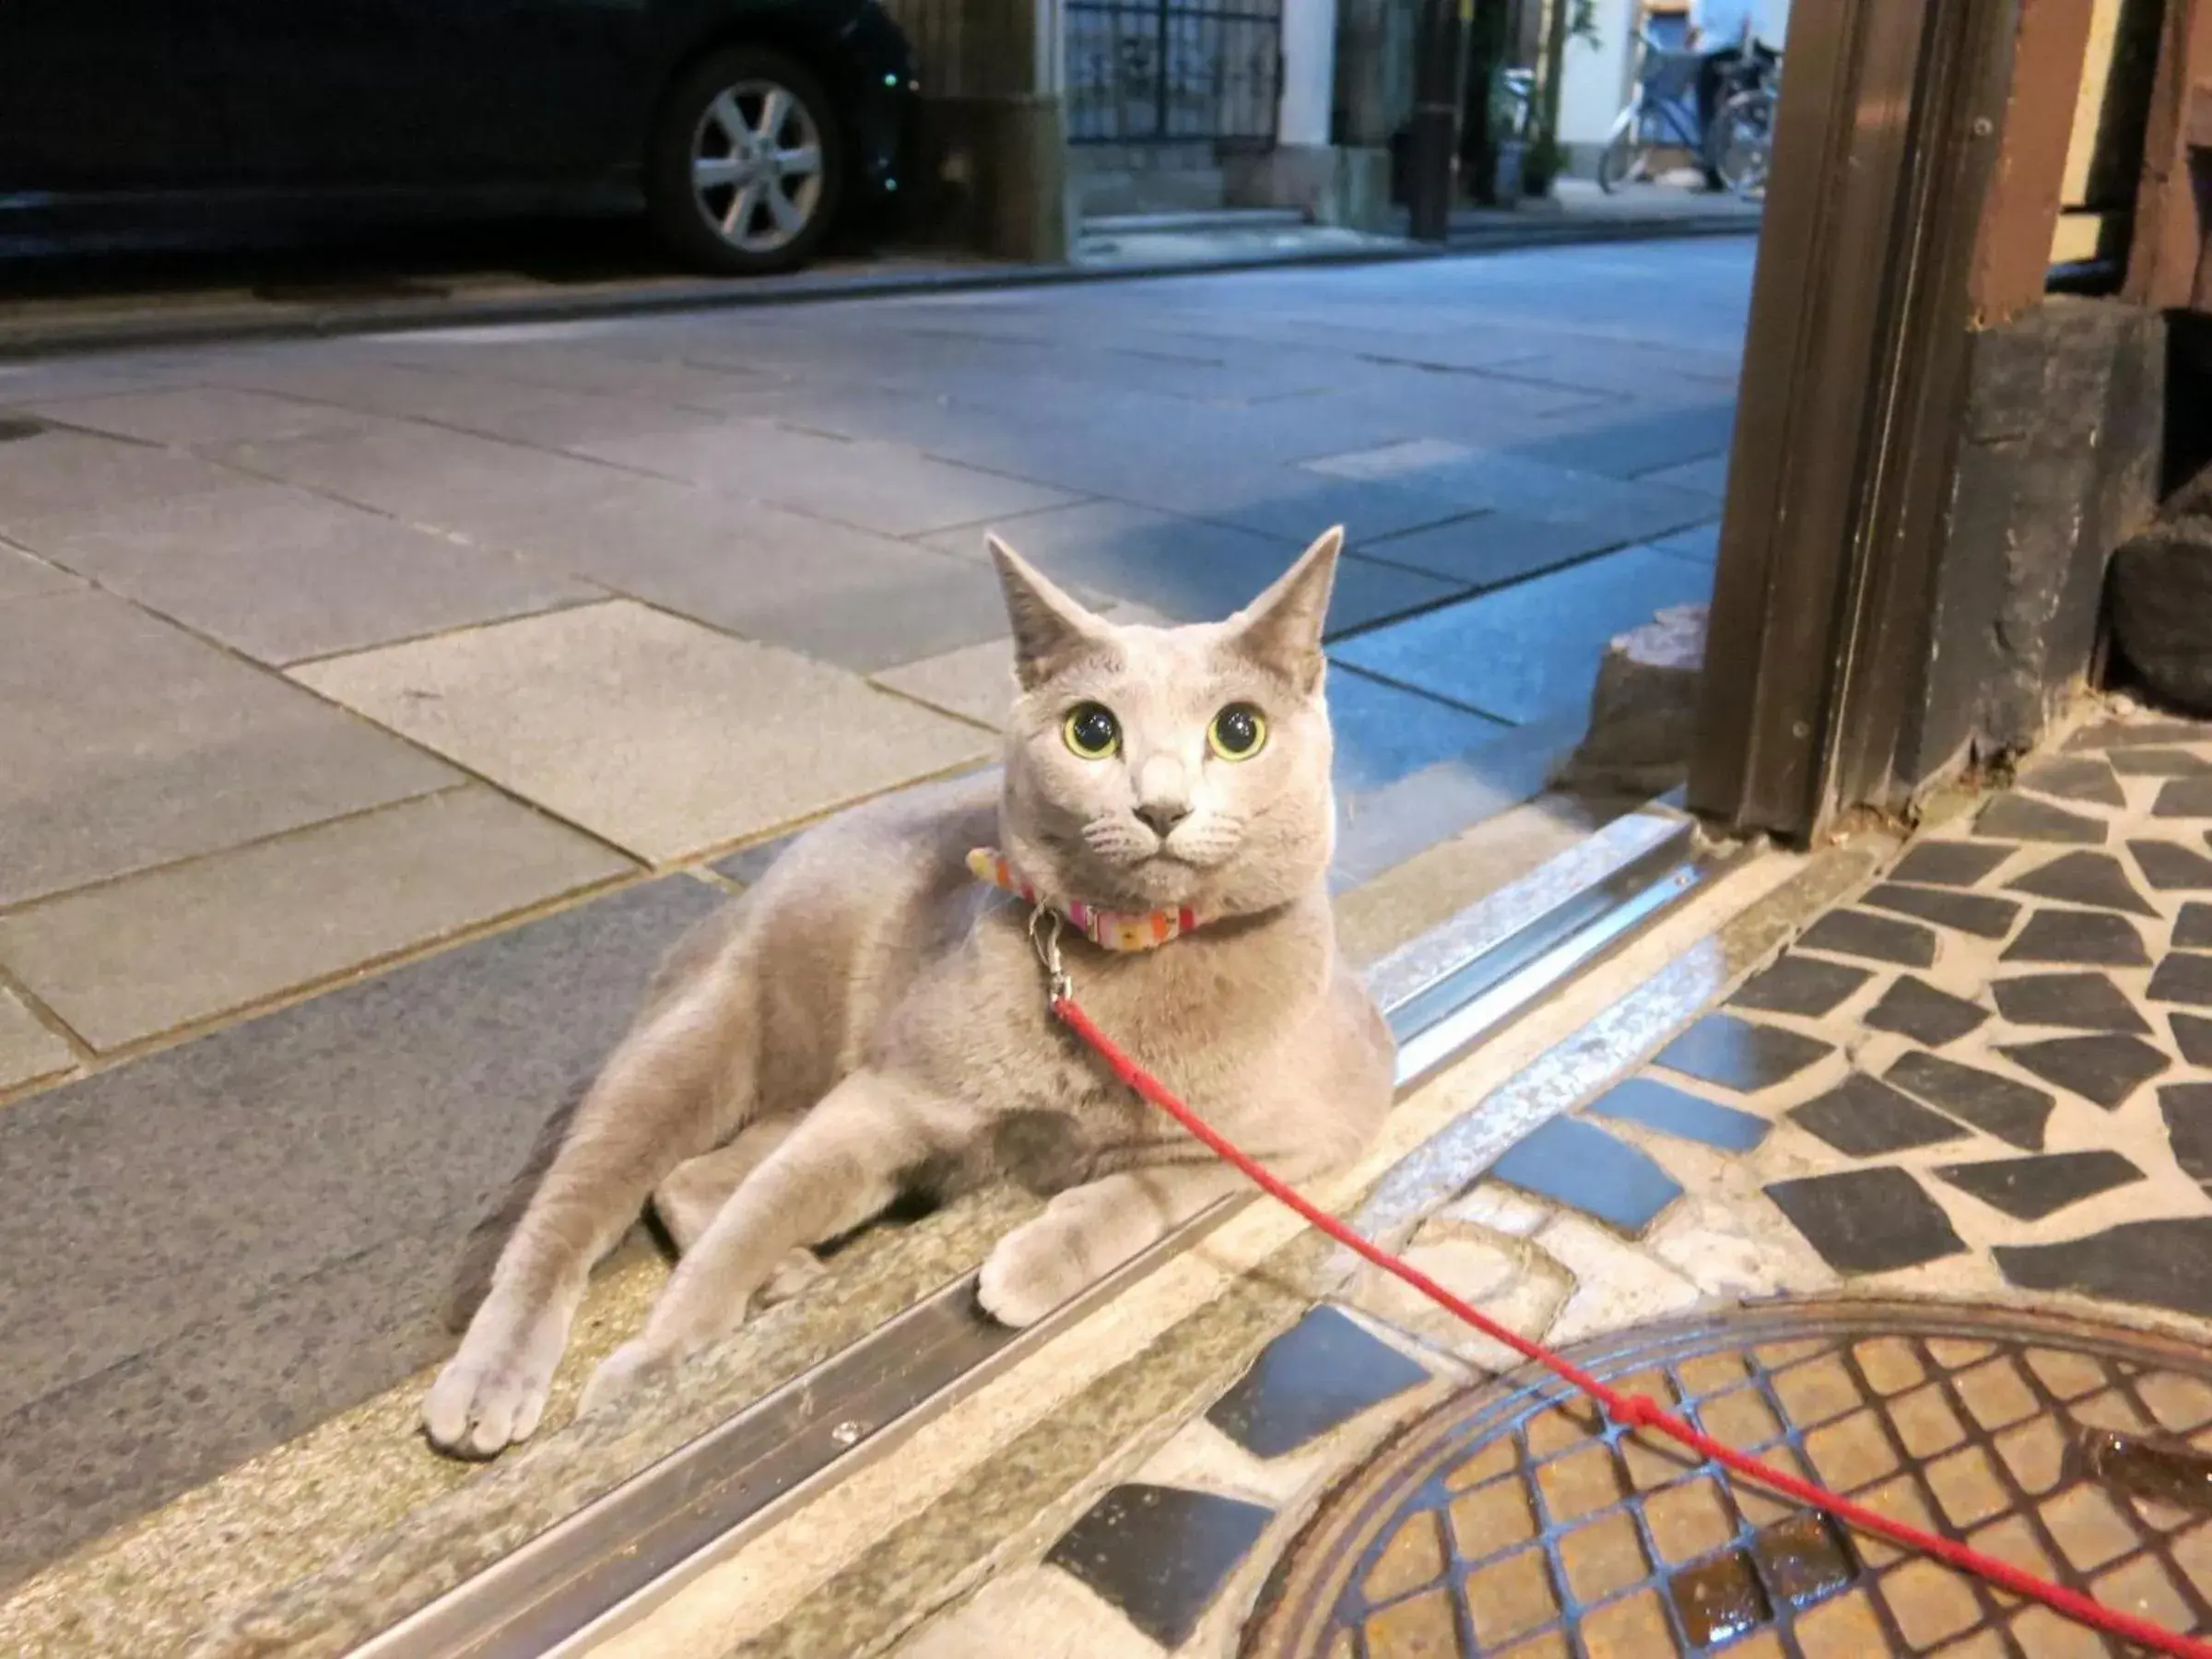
x=1512 y=483
x=196 y=417
x=1290 y=505
x=848 y=597
x=25 y=577
x=468 y=391
x=126 y=742
x=886 y=487
x=1384 y=733
x=1173 y=457
x=1532 y=648
x=1643 y=445
x=1491 y=549
x=148 y=953
x=281 y=575
x=216 y=1247
x=1188 y=570
x=59 y=478
x=659 y=736
x=1706 y=476
x=27 y=1050
x=422 y=475
x=648 y=359
x=1701 y=542
x=975 y=682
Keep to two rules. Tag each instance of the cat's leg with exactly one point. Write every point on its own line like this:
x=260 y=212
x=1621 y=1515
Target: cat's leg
x=841 y=1164
x=662 y=1098
x=1087 y=1232
x=694 y=1193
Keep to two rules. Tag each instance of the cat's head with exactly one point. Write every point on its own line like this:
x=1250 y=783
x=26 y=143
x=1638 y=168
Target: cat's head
x=1149 y=767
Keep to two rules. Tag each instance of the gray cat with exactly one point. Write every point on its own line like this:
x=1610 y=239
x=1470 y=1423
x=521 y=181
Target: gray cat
x=872 y=1017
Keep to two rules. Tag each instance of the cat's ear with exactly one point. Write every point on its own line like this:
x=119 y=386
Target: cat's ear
x=1050 y=629
x=1281 y=629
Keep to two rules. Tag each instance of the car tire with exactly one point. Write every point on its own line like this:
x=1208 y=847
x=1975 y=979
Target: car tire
x=745 y=170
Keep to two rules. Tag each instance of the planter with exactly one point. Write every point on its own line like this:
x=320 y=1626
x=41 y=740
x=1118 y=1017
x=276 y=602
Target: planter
x=1505 y=172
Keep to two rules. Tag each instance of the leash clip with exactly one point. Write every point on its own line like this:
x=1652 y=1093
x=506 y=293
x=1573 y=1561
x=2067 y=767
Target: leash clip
x=1044 y=939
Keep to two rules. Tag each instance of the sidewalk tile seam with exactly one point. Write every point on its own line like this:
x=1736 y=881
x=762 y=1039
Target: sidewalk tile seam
x=98 y=1063
x=28 y=906
x=61 y=947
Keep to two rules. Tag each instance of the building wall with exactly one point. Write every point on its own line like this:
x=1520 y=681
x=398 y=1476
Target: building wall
x=1595 y=82
x=2058 y=463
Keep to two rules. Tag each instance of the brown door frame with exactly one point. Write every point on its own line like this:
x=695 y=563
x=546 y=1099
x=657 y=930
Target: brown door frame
x=1907 y=195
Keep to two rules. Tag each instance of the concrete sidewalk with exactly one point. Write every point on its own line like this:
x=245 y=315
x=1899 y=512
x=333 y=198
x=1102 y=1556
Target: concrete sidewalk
x=52 y=301
x=373 y=712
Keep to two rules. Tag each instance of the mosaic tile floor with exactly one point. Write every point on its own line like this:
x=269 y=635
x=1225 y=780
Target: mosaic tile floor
x=1999 y=1050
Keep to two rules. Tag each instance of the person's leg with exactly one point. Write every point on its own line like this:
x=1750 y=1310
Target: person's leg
x=1713 y=71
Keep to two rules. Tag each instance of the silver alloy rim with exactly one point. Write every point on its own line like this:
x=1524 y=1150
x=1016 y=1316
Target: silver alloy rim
x=756 y=166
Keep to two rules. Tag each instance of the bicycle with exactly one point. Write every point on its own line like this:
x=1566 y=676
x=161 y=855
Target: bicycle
x=1662 y=112
x=1740 y=144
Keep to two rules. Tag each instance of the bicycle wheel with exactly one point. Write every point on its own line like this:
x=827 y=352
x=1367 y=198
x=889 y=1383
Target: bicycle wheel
x=1739 y=145
x=1623 y=157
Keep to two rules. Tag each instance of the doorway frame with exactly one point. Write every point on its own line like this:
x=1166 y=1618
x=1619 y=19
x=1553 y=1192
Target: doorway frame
x=1914 y=198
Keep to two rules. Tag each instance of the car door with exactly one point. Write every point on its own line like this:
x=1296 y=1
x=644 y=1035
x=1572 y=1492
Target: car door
x=437 y=92
x=107 y=95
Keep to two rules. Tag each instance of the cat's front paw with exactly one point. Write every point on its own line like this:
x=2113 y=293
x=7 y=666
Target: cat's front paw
x=1027 y=1274
x=621 y=1374
x=479 y=1409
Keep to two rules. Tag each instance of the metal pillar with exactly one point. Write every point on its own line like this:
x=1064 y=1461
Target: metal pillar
x=1433 y=141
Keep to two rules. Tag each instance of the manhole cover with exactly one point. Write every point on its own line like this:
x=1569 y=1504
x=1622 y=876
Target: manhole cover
x=1515 y=1521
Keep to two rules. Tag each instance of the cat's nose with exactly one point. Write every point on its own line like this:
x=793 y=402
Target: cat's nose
x=1163 y=816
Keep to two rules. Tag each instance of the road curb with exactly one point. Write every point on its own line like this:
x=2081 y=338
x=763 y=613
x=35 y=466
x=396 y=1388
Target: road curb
x=139 y=331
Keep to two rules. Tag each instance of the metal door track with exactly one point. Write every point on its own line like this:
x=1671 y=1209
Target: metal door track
x=618 y=1556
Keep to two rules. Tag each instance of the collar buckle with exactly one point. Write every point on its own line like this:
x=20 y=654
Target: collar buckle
x=1044 y=939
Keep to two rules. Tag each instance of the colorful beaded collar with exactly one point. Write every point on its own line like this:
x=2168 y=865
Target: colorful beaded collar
x=1109 y=930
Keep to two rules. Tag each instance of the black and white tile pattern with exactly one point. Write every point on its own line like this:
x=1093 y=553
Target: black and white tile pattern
x=2002 y=1048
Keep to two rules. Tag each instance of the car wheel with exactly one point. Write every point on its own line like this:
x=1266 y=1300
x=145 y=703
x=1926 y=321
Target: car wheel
x=747 y=164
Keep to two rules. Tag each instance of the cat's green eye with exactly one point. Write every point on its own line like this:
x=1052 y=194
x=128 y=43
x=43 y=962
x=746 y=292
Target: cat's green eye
x=1238 y=731
x=1091 y=731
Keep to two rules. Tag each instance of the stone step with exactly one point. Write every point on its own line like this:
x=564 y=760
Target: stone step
x=1138 y=190
x=1192 y=224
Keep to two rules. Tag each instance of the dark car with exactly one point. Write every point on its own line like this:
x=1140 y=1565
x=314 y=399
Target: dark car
x=752 y=127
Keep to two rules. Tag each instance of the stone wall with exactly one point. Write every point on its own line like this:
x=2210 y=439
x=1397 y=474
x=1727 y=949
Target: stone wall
x=2059 y=463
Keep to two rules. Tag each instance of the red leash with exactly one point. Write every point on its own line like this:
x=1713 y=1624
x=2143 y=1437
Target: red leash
x=1636 y=1411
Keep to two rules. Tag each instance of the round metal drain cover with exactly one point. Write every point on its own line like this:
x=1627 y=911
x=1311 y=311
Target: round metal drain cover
x=1515 y=1522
